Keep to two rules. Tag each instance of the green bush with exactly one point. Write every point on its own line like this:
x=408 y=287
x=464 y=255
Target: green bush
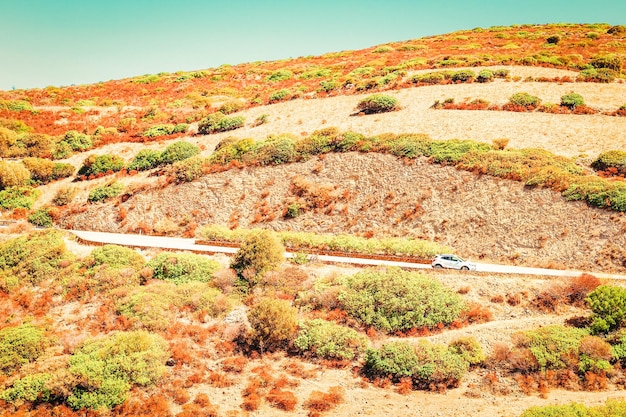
x=164 y=130
x=600 y=75
x=104 y=192
x=428 y=365
x=107 y=368
x=16 y=126
x=572 y=100
x=608 y=304
x=524 y=100
x=180 y=268
x=64 y=196
x=612 y=408
x=260 y=251
x=41 y=218
x=32 y=258
x=501 y=73
x=551 y=347
x=31 y=388
x=178 y=151
x=115 y=257
x=280 y=75
x=485 y=76
x=16 y=105
x=429 y=78
x=101 y=164
x=451 y=151
x=329 y=340
x=13 y=174
x=218 y=122
x=76 y=141
x=463 y=76
x=611 y=159
x=145 y=159
x=18 y=197
x=396 y=300
x=20 y=345
x=377 y=103
x=612 y=62
x=273 y=324
x=469 y=349
x=276 y=150
x=279 y=95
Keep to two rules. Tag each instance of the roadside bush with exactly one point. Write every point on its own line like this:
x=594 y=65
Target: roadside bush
x=18 y=197
x=608 y=304
x=106 y=191
x=572 y=100
x=41 y=218
x=428 y=365
x=115 y=257
x=32 y=258
x=611 y=159
x=101 y=164
x=329 y=340
x=378 y=103
x=396 y=300
x=273 y=324
x=525 y=100
x=13 y=174
x=218 y=122
x=259 y=252
x=107 y=368
x=145 y=159
x=20 y=345
x=180 y=268
x=178 y=151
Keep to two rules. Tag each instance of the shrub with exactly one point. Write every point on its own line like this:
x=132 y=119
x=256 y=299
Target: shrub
x=76 y=141
x=145 y=159
x=261 y=120
x=44 y=170
x=101 y=164
x=276 y=150
x=426 y=364
x=179 y=151
x=280 y=75
x=525 y=100
x=108 y=367
x=158 y=130
x=32 y=258
x=572 y=100
x=20 y=345
x=594 y=355
x=115 y=257
x=187 y=170
x=279 y=95
x=13 y=174
x=41 y=218
x=30 y=388
x=378 y=103
x=608 y=304
x=328 y=340
x=485 y=76
x=218 y=122
x=463 y=76
x=180 y=268
x=396 y=300
x=611 y=159
x=110 y=190
x=501 y=73
x=600 y=75
x=469 y=349
x=231 y=106
x=18 y=197
x=273 y=324
x=16 y=126
x=611 y=62
x=554 y=39
x=64 y=196
x=259 y=252
x=551 y=348
x=15 y=105
x=319 y=402
x=429 y=78
x=616 y=30
x=454 y=150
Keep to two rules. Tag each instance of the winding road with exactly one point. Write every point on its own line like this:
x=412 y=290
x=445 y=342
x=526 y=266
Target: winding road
x=175 y=243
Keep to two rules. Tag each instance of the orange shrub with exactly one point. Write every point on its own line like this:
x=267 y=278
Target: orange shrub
x=322 y=401
x=284 y=400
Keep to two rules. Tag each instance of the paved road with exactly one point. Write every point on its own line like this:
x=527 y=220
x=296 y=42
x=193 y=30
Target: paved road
x=189 y=244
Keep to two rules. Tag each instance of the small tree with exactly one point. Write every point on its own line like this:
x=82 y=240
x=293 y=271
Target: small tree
x=260 y=251
x=608 y=304
x=273 y=323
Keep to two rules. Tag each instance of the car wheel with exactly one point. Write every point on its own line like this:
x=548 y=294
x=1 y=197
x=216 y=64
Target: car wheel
x=464 y=268
x=437 y=266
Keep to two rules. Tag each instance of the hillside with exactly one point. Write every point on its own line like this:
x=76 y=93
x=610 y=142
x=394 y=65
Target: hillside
x=285 y=146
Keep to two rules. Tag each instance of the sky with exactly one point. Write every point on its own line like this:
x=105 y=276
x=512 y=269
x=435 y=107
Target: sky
x=65 y=42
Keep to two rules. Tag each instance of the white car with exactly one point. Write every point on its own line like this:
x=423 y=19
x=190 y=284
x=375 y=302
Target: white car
x=452 y=262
